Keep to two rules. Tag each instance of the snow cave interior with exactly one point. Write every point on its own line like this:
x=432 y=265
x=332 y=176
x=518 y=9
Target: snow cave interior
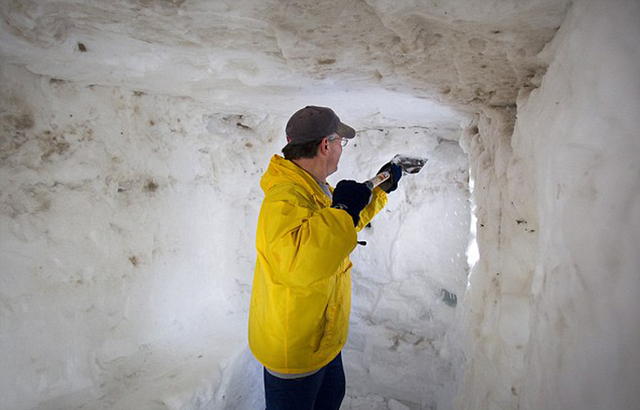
x=134 y=134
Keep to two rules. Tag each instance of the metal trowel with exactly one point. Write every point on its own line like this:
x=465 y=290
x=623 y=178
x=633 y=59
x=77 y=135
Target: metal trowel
x=408 y=164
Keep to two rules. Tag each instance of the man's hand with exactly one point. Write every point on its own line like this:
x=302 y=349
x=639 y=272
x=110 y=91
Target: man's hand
x=390 y=184
x=351 y=196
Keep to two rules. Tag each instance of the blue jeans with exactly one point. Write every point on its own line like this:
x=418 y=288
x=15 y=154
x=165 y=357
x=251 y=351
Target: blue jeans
x=323 y=390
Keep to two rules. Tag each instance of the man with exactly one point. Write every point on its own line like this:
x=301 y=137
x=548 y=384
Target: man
x=301 y=298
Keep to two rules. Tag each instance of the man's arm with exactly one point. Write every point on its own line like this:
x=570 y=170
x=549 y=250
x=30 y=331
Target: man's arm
x=302 y=245
x=378 y=201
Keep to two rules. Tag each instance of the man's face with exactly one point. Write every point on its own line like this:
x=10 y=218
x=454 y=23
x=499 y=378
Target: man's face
x=335 y=151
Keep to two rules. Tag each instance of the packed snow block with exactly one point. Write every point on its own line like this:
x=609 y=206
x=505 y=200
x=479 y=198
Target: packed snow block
x=403 y=331
x=113 y=272
x=561 y=227
x=488 y=139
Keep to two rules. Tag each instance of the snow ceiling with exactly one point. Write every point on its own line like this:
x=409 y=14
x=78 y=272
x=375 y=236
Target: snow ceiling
x=260 y=54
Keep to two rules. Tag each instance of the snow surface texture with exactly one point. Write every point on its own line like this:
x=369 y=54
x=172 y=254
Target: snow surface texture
x=126 y=246
x=249 y=53
x=133 y=136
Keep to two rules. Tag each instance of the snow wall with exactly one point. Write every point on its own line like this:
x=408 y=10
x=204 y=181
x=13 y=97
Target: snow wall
x=128 y=226
x=552 y=304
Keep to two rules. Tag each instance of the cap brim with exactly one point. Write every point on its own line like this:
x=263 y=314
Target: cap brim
x=346 y=131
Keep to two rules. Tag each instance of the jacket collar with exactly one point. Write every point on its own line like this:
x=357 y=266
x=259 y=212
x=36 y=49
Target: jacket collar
x=281 y=170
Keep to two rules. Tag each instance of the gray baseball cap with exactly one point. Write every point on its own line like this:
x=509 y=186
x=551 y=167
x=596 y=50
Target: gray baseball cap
x=314 y=123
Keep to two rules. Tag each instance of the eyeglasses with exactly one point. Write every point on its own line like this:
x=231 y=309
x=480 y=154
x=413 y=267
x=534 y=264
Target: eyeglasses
x=343 y=141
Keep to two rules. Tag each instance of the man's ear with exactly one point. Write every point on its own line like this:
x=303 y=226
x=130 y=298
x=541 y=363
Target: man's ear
x=324 y=145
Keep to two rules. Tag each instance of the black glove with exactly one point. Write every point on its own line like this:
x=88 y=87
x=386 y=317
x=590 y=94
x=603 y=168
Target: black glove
x=351 y=196
x=390 y=184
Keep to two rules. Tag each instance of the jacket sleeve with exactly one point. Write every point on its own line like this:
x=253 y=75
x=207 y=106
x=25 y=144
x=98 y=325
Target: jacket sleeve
x=301 y=244
x=378 y=201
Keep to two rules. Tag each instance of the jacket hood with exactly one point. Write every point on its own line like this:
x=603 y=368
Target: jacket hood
x=282 y=170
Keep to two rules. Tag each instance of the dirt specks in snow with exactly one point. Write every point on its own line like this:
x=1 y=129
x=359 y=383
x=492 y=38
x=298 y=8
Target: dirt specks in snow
x=18 y=122
x=52 y=144
x=12 y=133
x=242 y=126
x=150 y=187
x=327 y=61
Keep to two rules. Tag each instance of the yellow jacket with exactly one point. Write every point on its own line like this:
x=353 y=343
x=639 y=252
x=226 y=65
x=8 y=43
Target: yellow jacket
x=301 y=297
